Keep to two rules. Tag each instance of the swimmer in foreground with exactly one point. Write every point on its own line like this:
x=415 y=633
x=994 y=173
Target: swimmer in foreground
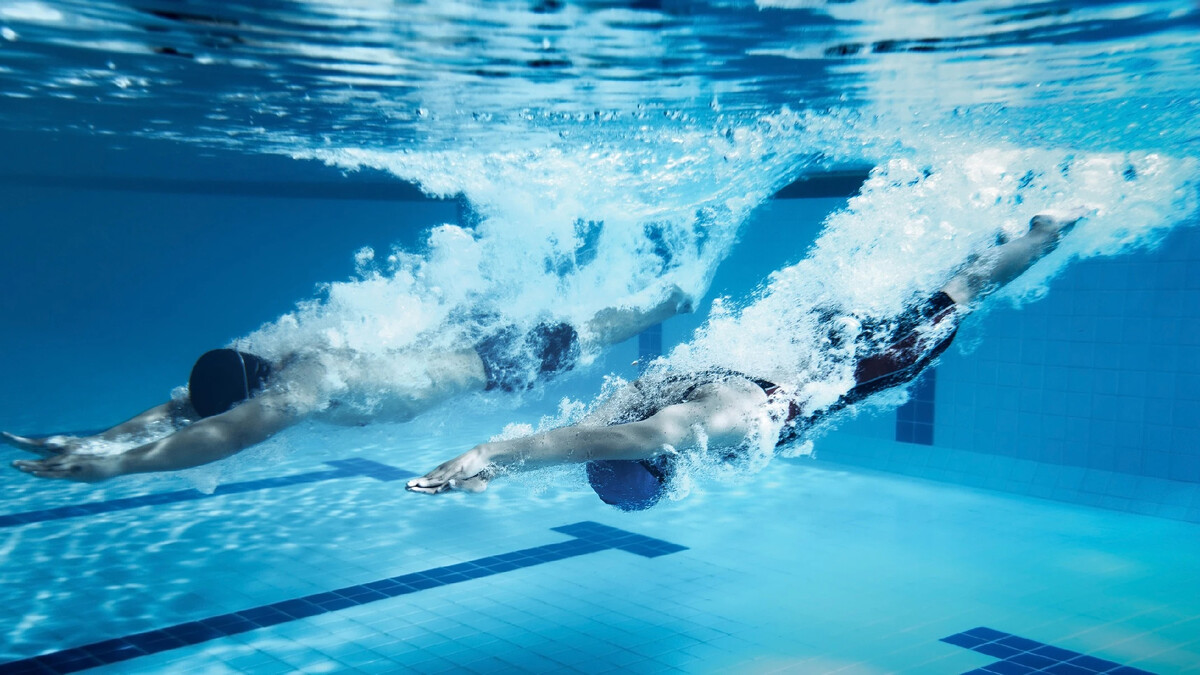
x=236 y=400
x=629 y=461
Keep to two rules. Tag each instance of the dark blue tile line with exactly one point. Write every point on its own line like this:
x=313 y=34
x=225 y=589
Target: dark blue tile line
x=649 y=345
x=342 y=468
x=587 y=537
x=914 y=419
x=1020 y=656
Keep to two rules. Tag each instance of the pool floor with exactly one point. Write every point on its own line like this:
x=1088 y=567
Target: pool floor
x=806 y=567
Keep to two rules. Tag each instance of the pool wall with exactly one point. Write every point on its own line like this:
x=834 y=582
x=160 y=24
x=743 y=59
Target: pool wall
x=1089 y=395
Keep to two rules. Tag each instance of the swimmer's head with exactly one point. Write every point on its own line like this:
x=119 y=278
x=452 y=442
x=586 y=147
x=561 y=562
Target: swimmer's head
x=629 y=485
x=222 y=378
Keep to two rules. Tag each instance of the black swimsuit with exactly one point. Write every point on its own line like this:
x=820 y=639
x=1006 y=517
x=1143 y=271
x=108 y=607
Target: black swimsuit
x=907 y=353
x=506 y=353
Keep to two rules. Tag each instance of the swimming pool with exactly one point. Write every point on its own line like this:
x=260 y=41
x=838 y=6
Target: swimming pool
x=1031 y=507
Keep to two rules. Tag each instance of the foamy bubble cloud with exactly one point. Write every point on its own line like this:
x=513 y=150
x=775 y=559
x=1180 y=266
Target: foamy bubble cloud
x=563 y=228
x=914 y=224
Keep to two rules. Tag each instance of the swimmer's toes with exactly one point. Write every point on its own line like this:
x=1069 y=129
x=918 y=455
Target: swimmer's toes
x=20 y=442
x=46 y=447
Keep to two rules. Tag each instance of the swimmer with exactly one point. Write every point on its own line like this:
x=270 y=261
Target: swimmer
x=235 y=399
x=629 y=441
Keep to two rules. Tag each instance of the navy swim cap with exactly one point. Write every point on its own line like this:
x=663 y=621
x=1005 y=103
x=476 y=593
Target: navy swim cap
x=629 y=484
x=224 y=377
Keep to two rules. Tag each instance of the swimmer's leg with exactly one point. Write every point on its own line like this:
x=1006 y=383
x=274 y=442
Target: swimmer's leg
x=1009 y=260
x=208 y=440
x=171 y=412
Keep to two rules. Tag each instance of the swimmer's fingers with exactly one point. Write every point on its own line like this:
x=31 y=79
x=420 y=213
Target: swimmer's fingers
x=433 y=486
x=473 y=484
x=459 y=473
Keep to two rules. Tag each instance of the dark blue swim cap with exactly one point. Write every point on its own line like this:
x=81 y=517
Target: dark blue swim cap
x=629 y=484
x=224 y=377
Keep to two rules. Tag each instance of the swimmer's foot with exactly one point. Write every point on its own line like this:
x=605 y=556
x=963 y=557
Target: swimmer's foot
x=46 y=447
x=81 y=468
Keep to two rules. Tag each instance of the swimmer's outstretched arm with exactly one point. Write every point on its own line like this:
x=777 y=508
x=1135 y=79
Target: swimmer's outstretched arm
x=724 y=413
x=997 y=267
x=617 y=324
x=206 y=441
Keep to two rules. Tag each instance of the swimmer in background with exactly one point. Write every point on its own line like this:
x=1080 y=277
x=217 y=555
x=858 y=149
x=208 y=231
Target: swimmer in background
x=236 y=400
x=630 y=441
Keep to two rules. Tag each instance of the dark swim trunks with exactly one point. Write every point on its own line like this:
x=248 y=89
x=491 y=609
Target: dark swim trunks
x=507 y=355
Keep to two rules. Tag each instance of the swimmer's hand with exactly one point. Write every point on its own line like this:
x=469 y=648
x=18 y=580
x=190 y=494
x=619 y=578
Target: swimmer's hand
x=68 y=466
x=46 y=447
x=469 y=472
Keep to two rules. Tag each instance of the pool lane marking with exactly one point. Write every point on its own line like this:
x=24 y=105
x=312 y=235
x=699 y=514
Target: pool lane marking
x=587 y=537
x=342 y=468
x=1020 y=655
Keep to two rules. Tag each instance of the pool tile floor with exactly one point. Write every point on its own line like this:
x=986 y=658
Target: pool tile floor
x=806 y=567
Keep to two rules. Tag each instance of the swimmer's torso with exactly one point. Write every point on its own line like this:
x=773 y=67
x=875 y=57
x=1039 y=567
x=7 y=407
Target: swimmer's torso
x=354 y=389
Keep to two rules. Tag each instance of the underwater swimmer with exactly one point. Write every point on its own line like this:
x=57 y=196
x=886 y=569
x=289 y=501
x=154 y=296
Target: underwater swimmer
x=629 y=441
x=236 y=400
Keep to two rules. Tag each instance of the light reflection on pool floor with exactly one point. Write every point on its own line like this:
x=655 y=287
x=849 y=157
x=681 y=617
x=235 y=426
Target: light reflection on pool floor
x=806 y=567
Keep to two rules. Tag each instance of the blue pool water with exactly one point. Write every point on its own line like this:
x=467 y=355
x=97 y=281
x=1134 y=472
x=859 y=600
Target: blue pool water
x=366 y=178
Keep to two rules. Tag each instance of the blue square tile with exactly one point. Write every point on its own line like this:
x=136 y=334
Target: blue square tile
x=1067 y=669
x=1093 y=663
x=922 y=434
x=193 y=633
x=1129 y=670
x=27 y=667
x=154 y=641
x=986 y=633
x=1007 y=668
x=68 y=660
x=298 y=609
x=381 y=586
x=1055 y=653
x=229 y=624
x=923 y=412
x=997 y=650
x=360 y=594
x=1034 y=660
x=264 y=616
x=1021 y=643
x=330 y=601
x=964 y=640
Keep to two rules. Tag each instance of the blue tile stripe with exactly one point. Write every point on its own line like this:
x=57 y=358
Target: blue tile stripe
x=342 y=468
x=1020 y=656
x=649 y=346
x=914 y=419
x=587 y=537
